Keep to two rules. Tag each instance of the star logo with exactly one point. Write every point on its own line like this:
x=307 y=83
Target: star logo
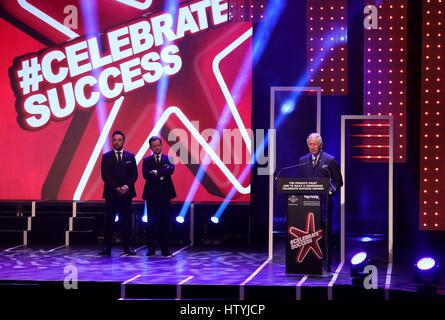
x=306 y=241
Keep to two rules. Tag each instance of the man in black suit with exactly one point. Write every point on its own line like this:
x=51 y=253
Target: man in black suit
x=158 y=192
x=320 y=164
x=119 y=173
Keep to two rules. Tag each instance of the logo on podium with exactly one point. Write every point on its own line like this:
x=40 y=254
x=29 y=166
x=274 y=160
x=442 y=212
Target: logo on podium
x=306 y=240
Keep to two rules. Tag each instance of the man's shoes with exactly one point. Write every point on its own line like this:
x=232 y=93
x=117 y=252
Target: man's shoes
x=129 y=251
x=166 y=253
x=105 y=252
x=151 y=252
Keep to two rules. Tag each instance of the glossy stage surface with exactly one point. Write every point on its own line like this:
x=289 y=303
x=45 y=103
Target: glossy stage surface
x=191 y=273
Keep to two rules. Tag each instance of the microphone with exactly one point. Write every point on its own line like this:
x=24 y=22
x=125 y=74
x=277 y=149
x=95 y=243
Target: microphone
x=290 y=167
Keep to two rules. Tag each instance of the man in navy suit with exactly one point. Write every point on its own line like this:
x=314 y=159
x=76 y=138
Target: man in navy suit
x=119 y=173
x=158 y=192
x=320 y=164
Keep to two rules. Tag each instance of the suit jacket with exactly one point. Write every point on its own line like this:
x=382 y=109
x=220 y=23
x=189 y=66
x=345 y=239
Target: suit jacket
x=160 y=186
x=116 y=174
x=309 y=171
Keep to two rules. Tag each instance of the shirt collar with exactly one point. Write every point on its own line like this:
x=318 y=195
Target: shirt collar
x=316 y=156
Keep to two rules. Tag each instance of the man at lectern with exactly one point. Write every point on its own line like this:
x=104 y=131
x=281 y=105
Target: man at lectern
x=320 y=164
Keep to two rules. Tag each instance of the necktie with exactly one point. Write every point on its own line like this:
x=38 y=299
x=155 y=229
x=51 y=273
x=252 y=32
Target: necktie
x=157 y=159
x=119 y=158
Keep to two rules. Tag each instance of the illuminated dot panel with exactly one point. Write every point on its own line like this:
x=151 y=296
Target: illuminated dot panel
x=247 y=10
x=326 y=45
x=385 y=68
x=432 y=164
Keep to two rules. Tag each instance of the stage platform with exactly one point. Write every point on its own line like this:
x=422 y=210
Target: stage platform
x=192 y=273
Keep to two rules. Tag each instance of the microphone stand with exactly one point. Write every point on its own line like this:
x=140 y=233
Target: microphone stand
x=327 y=222
x=331 y=186
x=290 y=167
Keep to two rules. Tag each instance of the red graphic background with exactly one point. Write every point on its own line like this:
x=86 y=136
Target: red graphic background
x=48 y=163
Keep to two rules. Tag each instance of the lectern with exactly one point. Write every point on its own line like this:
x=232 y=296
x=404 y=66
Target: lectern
x=306 y=233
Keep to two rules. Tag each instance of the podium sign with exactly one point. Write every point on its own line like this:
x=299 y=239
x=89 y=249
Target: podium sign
x=305 y=241
x=303 y=186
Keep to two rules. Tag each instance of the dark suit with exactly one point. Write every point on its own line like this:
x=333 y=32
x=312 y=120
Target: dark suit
x=116 y=174
x=158 y=192
x=316 y=171
x=311 y=169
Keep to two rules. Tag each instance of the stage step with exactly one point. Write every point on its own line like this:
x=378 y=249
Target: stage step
x=13 y=223
x=46 y=237
x=150 y=291
x=55 y=222
x=11 y=237
x=232 y=292
x=169 y=291
x=15 y=214
x=30 y=292
x=15 y=209
x=82 y=237
x=84 y=223
x=54 y=207
x=210 y=292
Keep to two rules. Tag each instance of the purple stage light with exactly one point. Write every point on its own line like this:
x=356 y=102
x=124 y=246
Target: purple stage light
x=358 y=258
x=426 y=263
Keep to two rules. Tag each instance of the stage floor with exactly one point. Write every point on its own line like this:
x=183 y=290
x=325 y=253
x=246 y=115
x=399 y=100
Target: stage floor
x=191 y=273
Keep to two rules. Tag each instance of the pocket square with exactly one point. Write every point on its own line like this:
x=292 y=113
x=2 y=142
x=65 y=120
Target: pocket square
x=128 y=162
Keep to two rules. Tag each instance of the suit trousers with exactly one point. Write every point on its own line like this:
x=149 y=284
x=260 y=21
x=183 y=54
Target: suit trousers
x=121 y=205
x=158 y=218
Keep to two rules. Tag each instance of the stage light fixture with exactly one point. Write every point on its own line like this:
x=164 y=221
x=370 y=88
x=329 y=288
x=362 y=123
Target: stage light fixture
x=366 y=239
x=214 y=219
x=288 y=107
x=358 y=263
x=427 y=275
x=180 y=219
